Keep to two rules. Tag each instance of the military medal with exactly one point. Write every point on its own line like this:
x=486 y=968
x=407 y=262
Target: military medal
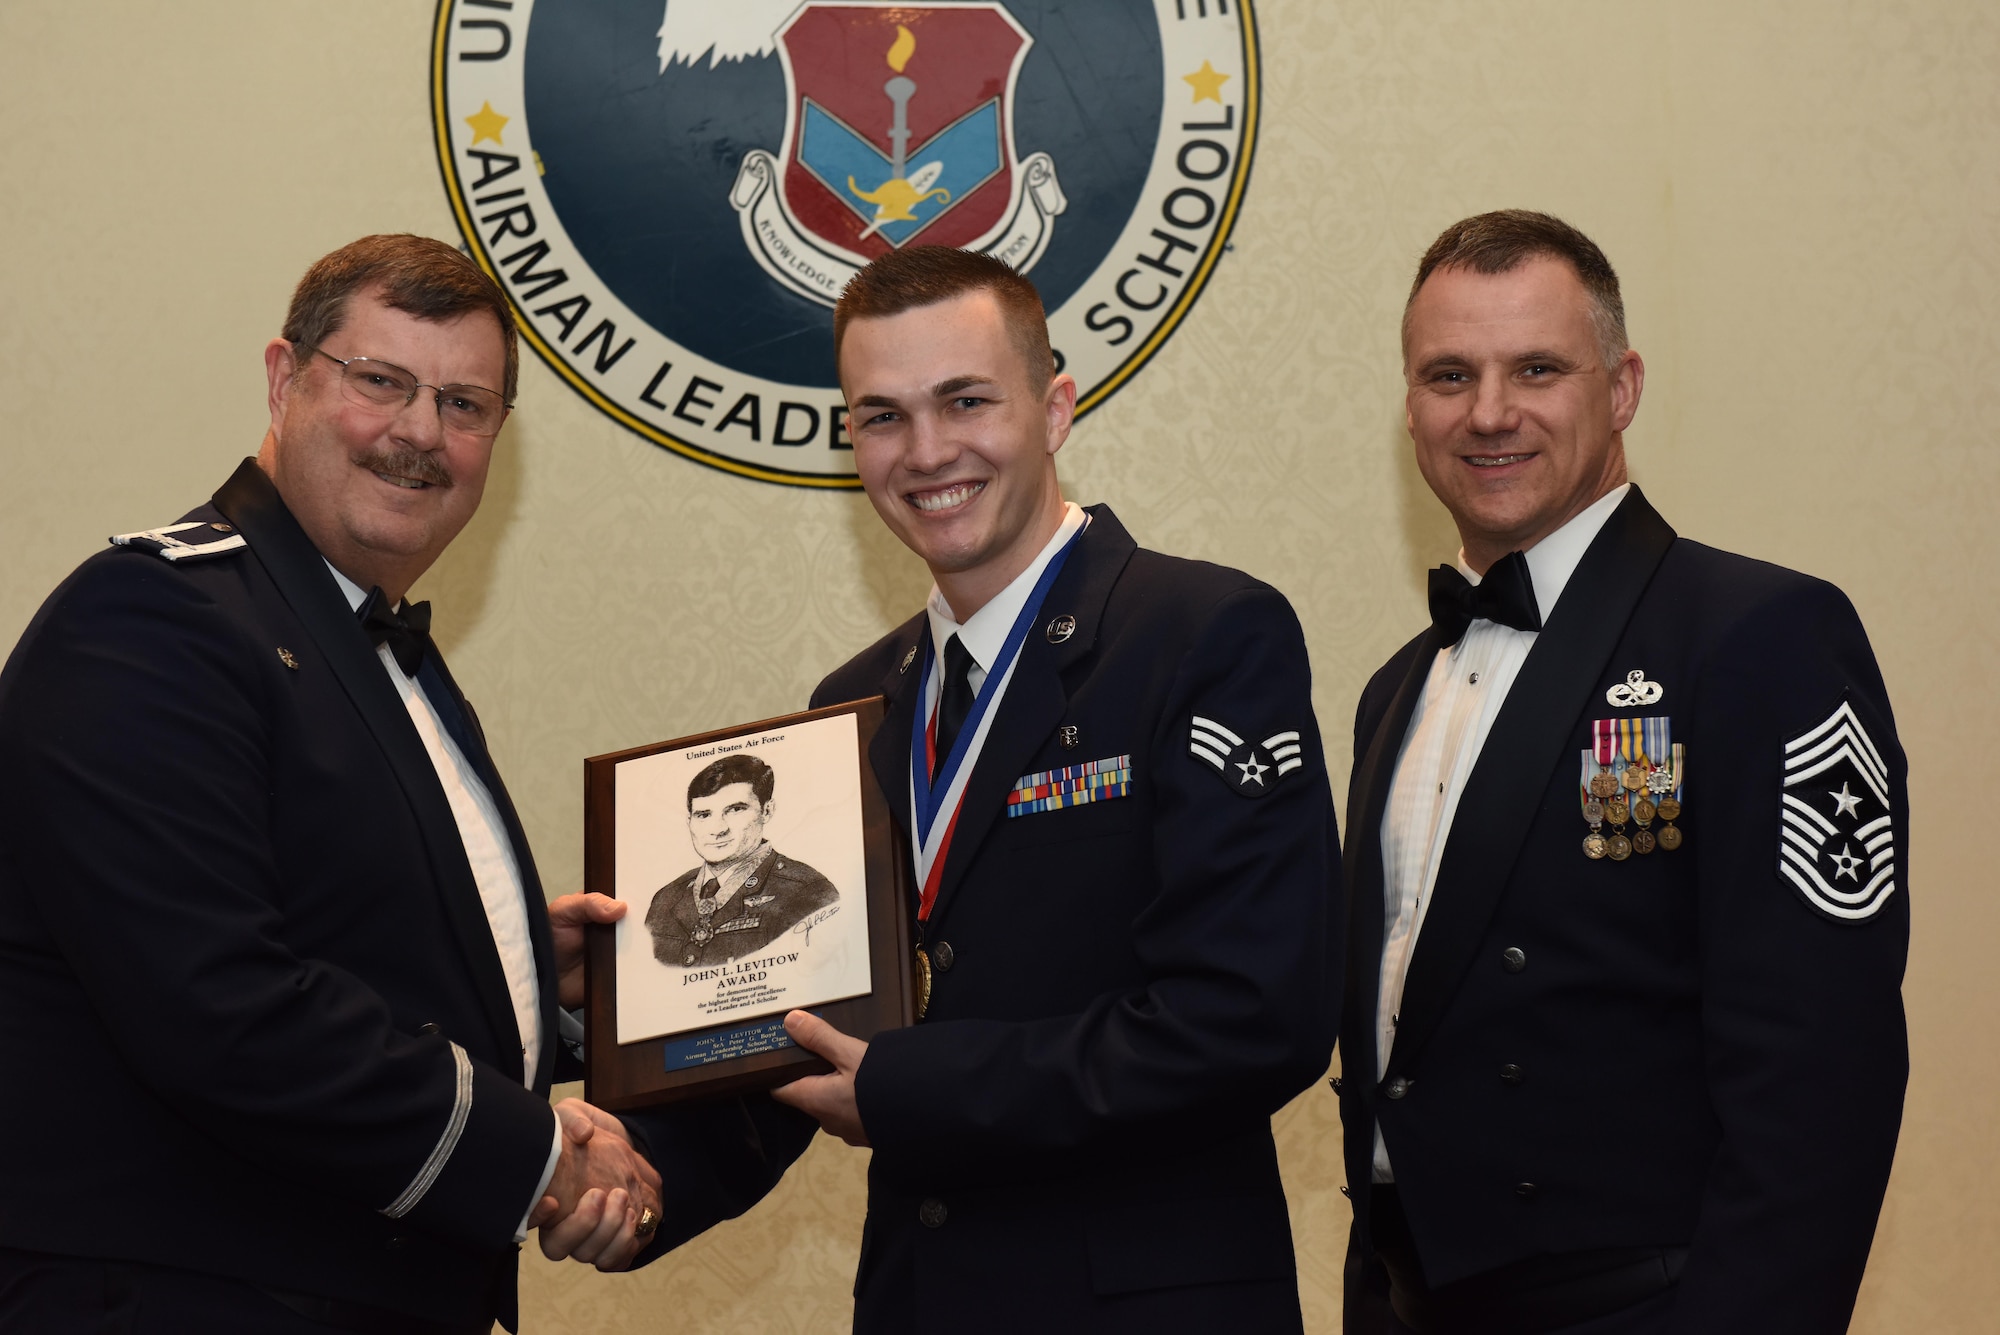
x=922 y=978
x=1627 y=777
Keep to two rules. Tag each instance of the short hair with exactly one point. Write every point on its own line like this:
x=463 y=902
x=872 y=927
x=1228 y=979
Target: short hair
x=418 y=275
x=719 y=774
x=1501 y=241
x=904 y=280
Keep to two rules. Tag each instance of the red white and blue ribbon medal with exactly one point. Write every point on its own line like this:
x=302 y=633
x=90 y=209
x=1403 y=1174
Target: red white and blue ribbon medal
x=937 y=784
x=1632 y=775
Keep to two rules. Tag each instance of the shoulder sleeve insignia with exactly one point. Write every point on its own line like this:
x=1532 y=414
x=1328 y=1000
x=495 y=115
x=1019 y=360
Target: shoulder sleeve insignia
x=1248 y=769
x=1836 y=831
x=192 y=541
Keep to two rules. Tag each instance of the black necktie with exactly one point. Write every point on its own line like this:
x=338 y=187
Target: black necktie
x=407 y=633
x=955 y=700
x=1505 y=596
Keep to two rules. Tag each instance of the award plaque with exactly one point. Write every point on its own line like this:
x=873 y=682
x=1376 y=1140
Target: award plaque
x=762 y=875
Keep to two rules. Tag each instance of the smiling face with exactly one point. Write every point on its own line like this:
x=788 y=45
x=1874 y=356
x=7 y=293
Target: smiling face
x=954 y=442
x=380 y=493
x=1517 y=423
x=727 y=823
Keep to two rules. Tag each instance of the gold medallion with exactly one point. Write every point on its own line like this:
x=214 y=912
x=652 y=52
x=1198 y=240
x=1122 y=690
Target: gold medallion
x=923 y=982
x=1620 y=849
x=1617 y=811
x=1642 y=811
x=1670 y=809
x=1634 y=777
x=1670 y=836
x=1642 y=841
x=1593 y=845
x=1602 y=784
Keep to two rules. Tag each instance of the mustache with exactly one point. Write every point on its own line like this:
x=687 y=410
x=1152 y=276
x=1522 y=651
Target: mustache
x=420 y=465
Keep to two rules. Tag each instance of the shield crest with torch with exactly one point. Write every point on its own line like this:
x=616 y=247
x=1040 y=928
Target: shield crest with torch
x=899 y=131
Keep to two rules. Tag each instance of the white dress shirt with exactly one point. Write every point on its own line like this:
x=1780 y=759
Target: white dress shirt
x=494 y=869
x=1467 y=685
x=985 y=632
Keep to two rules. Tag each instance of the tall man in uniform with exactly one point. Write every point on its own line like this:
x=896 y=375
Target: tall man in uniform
x=272 y=947
x=1623 y=1045
x=1109 y=776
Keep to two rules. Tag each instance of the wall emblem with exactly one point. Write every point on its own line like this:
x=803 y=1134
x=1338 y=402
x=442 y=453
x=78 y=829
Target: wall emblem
x=673 y=194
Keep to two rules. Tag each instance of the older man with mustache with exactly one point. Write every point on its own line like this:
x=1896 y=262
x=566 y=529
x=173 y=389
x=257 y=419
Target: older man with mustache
x=271 y=937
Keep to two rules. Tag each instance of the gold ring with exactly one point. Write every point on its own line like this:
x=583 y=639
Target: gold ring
x=648 y=1221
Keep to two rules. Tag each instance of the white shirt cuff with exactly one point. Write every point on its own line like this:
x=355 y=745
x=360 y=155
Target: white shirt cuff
x=548 y=1171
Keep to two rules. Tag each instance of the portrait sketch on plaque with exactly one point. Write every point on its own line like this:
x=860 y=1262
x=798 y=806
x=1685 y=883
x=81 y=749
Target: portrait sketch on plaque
x=743 y=866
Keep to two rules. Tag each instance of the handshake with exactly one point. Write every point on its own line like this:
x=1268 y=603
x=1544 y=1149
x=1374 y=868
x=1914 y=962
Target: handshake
x=603 y=1200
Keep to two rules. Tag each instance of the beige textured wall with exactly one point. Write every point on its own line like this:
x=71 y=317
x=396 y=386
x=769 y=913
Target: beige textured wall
x=1801 y=195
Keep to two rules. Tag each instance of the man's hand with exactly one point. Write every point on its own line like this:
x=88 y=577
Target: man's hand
x=827 y=1099
x=598 y=1192
x=568 y=917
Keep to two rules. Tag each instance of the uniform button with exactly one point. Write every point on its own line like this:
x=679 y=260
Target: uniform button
x=1511 y=1074
x=1334 y=1084
x=1396 y=1088
x=1526 y=1190
x=428 y=1029
x=943 y=956
x=1346 y=1192
x=931 y=1214
x=1513 y=959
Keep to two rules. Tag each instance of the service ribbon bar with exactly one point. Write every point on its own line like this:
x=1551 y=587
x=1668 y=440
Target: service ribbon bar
x=1072 y=786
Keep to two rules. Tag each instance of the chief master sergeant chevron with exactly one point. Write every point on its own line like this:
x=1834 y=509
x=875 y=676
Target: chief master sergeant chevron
x=1623 y=1045
x=1113 y=795
x=272 y=948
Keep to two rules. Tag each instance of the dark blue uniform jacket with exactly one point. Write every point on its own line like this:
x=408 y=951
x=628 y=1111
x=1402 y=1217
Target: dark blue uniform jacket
x=239 y=937
x=1687 y=1051
x=1077 y=1136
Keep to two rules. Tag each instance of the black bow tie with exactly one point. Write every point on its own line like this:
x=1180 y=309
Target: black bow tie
x=1505 y=596
x=407 y=633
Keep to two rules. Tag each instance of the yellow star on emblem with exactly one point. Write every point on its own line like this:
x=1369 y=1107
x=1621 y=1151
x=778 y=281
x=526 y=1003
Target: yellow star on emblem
x=487 y=123
x=1206 y=82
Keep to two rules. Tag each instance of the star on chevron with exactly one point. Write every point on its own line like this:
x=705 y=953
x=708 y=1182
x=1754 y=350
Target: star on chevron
x=1844 y=802
x=1253 y=770
x=486 y=123
x=1207 y=83
x=1844 y=863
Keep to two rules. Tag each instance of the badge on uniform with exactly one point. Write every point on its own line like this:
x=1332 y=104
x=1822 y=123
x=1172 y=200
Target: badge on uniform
x=195 y=540
x=1070 y=786
x=1249 y=769
x=1632 y=775
x=1836 y=831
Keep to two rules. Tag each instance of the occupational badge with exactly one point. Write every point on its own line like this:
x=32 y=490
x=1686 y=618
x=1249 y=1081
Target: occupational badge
x=1837 y=832
x=1250 y=769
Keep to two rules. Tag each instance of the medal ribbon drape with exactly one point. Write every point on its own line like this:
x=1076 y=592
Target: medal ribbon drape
x=936 y=792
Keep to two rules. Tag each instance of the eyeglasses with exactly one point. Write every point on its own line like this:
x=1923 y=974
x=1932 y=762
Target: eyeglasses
x=466 y=409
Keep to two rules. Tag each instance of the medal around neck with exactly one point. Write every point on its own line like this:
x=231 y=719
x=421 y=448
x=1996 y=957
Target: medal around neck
x=761 y=870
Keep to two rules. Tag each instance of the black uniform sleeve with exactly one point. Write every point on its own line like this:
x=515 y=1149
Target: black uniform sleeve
x=1803 y=1019
x=135 y=809
x=1237 y=1010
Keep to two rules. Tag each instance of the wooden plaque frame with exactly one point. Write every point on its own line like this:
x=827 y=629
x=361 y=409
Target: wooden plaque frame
x=623 y=1077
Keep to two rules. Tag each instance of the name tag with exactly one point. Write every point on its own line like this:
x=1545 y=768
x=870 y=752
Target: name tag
x=1070 y=786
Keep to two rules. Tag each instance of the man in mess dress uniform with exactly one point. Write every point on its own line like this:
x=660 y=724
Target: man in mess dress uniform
x=1623 y=1045
x=1110 y=785
x=272 y=946
x=746 y=894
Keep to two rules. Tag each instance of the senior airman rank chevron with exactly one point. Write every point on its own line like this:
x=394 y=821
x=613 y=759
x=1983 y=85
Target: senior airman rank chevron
x=1250 y=770
x=1070 y=786
x=1837 y=833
